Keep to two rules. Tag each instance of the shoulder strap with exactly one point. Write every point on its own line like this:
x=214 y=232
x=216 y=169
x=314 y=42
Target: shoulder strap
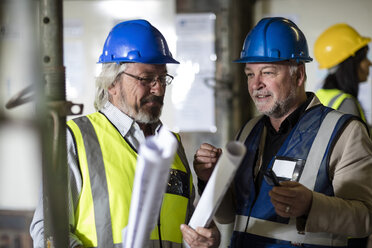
x=332 y=103
x=243 y=134
x=99 y=190
x=318 y=148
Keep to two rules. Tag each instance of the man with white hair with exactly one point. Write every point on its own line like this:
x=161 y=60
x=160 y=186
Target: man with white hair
x=102 y=147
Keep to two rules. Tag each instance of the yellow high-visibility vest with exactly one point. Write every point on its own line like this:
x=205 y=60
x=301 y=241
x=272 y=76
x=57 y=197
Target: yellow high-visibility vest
x=333 y=98
x=108 y=163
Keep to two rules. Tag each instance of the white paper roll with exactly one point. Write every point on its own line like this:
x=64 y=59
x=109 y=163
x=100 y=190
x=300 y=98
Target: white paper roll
x=218 y=184
x=152 y=172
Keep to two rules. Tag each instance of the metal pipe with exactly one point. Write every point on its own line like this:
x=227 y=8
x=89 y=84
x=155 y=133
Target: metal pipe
x=54 y=139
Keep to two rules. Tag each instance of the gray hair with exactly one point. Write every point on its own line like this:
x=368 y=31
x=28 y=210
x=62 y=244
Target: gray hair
x=110 y=74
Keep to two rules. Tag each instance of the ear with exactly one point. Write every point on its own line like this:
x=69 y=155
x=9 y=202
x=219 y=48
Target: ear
x=113 y=89
x=301 y=75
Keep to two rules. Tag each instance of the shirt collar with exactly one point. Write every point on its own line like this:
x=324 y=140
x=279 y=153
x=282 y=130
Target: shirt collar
x=122 y=121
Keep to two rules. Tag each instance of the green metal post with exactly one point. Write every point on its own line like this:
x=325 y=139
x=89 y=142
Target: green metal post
x=54 y=138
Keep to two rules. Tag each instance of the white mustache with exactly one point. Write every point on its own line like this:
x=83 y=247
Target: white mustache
x=260 y=92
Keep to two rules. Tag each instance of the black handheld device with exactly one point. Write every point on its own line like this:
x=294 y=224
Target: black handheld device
x=271 y=178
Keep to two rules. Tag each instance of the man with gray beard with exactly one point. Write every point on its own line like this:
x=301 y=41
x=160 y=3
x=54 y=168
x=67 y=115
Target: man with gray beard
x=305 y=180
x=102 y=148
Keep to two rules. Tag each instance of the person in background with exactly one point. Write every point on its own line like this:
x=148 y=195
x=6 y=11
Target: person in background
x=102 y=147
x=343 y=52
x=305 y=179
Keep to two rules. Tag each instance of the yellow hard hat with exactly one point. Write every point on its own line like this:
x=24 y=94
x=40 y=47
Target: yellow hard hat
x=336 y=44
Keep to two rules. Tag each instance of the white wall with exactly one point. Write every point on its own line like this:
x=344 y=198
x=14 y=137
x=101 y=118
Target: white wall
x=20 y=163
x=313 y=17
x=20 y=167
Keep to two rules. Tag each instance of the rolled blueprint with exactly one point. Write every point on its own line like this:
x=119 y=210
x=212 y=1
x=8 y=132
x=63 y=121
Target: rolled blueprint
x=218 y=184
x=154 y=161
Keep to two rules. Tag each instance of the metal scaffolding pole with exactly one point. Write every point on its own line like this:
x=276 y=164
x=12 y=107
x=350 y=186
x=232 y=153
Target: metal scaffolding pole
x=54 y=139
x=51 y=110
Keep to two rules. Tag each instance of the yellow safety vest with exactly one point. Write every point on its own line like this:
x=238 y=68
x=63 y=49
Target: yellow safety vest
x=108 y=163
x=333 y=98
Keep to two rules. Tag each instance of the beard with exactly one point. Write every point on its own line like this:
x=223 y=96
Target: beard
x=142 y=113
x=280 y=107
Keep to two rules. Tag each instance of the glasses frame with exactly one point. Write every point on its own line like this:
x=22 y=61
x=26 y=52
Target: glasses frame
x=153 y=81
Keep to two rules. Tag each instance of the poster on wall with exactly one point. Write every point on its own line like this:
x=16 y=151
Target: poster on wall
x=193 y=88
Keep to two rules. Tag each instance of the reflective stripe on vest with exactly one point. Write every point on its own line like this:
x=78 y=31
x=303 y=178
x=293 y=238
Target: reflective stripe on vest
x=288 y=231
x=333 y=98
x=155 y=244
x=103 y=207
x=248 y=128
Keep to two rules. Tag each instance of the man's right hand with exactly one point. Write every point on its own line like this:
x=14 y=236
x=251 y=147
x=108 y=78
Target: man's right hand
x=205 y=159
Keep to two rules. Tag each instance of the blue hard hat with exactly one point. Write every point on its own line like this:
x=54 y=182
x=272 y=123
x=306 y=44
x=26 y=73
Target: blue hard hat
x=136 y=41
x=274 y=39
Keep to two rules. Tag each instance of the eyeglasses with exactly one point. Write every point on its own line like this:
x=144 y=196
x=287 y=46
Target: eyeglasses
x=151 y=81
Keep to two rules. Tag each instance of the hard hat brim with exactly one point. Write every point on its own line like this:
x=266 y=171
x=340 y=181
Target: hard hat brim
x=268 y=60
x=343 y=56
x=143 y=60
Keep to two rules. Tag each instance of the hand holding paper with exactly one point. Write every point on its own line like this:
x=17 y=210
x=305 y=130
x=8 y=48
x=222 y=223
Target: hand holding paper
x=218 y=184
x=205 y=160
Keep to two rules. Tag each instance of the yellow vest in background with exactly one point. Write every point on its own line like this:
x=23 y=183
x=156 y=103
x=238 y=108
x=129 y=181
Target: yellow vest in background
x=333 y=98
